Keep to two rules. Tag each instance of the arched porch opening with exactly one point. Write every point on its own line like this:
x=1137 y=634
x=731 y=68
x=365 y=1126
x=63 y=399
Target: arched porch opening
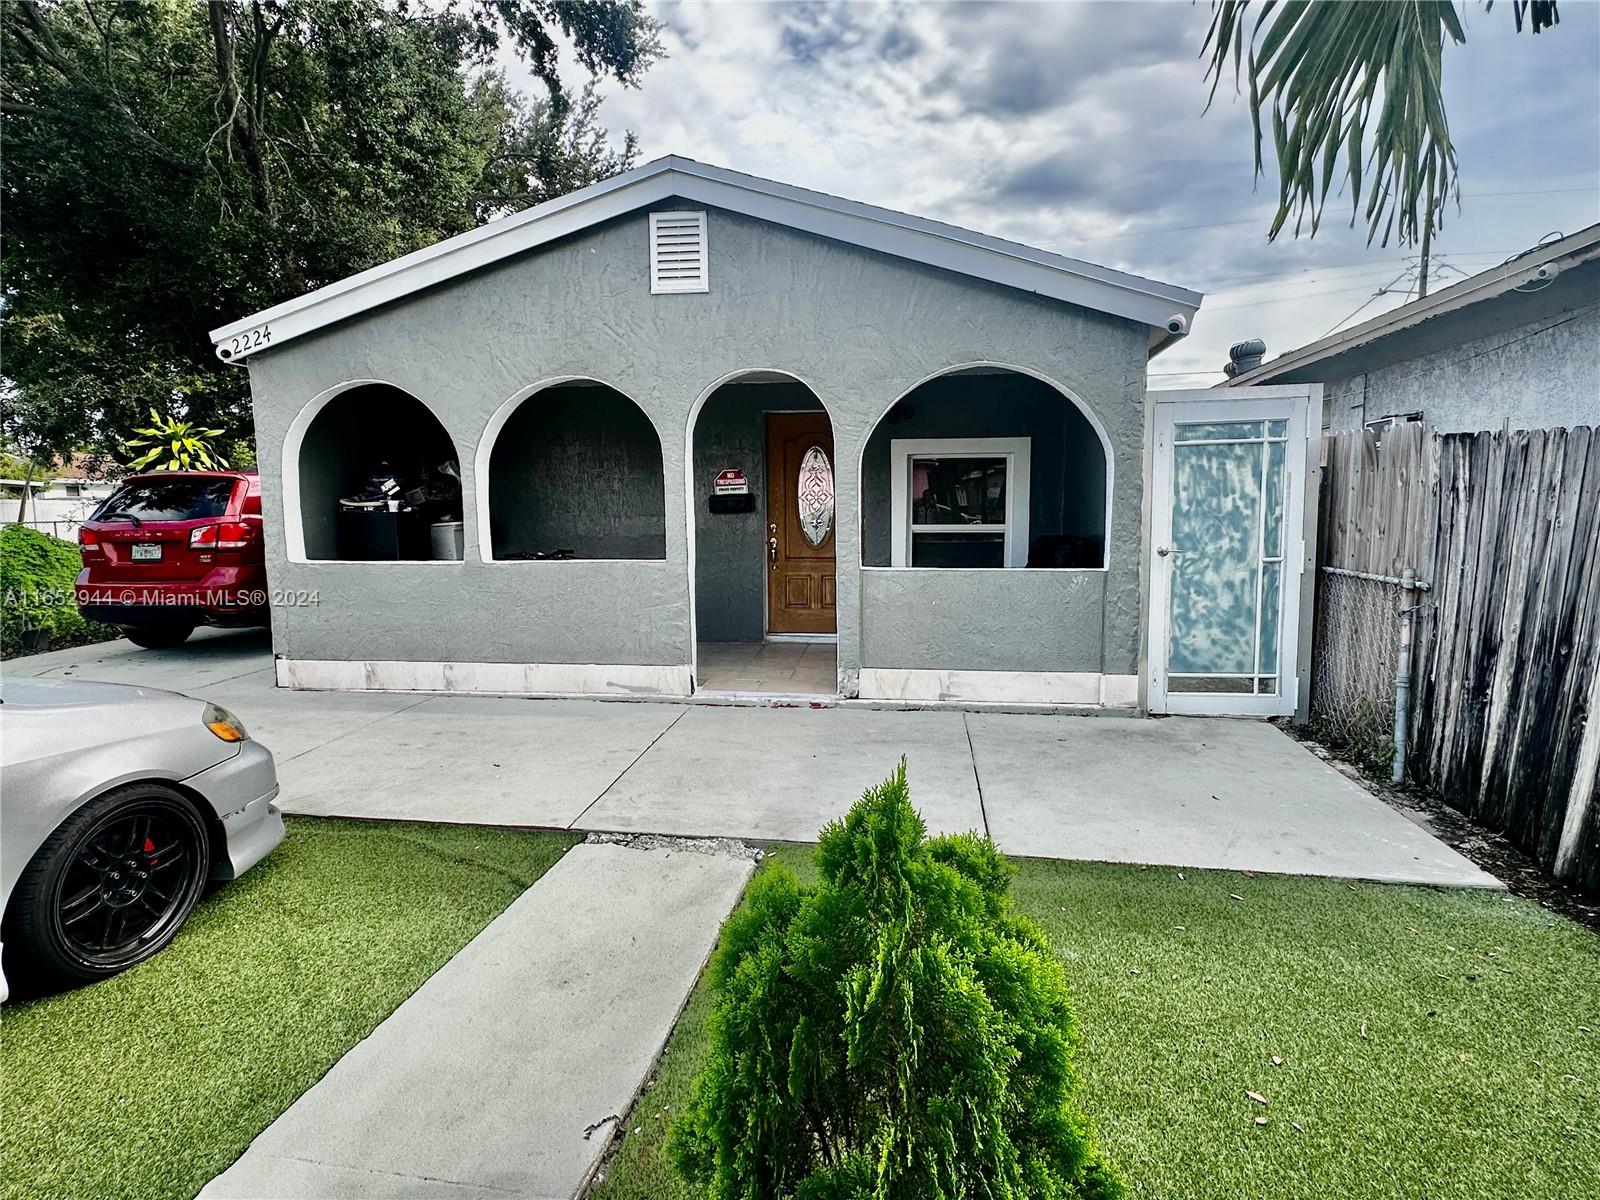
x=376 y=478
x=573 y=470
x=986 y=467
x=762 y=535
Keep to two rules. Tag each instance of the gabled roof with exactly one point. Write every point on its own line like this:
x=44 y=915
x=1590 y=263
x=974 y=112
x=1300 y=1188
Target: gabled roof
x=1541 y=281
x=1145 y=301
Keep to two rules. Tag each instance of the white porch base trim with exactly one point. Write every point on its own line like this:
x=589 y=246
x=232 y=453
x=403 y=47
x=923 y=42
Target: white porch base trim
x=503 y=679
x=1000 y=687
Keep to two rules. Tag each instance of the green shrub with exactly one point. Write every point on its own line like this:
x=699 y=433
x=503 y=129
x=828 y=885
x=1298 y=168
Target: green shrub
x=37 y=574
x=898 y=1031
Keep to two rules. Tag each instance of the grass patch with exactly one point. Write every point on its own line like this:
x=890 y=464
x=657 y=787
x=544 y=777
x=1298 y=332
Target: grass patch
x=1474 y=1077
x=1478 y=1073
x=151 y=1083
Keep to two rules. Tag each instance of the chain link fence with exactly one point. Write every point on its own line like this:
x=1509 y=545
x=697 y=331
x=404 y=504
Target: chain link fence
x=1353 y=664
x=67 y=531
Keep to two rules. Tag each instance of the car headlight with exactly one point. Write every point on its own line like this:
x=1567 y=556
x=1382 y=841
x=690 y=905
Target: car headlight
x=223 y=723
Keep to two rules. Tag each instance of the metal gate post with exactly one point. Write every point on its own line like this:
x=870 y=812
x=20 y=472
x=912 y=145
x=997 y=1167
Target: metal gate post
x=1402 y=672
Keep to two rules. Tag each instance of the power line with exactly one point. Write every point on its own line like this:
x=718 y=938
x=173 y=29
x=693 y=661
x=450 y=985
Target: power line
x=1383 y=291
x=1360 y=287
x=1290 y=280
x=1225 y=283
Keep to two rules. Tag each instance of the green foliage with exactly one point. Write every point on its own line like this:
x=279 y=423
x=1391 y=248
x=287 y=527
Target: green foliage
x=37 y=574
x=174 y=446
x=1364 y=737
x=896 y=1031
x=171 y=166
x=1353 y=92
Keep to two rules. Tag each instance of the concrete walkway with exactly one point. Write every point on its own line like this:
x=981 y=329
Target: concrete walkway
x=506 y=1072
x=1180 y=791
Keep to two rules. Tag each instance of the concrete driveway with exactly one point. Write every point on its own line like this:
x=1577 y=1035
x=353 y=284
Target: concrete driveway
x=1178 y=791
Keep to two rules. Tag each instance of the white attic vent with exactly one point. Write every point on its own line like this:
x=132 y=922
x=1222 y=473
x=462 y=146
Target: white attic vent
x=678 y=255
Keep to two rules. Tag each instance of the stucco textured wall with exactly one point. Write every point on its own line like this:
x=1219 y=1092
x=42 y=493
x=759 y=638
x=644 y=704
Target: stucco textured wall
x=1540 y=375
x=987 y=620
x=859 y=329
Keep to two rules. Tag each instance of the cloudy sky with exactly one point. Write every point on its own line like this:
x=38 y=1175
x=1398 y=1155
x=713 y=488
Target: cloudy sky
x=1079 y=128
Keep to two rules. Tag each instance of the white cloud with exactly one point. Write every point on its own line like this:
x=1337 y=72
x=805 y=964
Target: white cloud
x=1078 y=127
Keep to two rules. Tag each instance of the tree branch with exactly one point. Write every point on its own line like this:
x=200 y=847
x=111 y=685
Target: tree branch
x=33 y=31
x=239 y=120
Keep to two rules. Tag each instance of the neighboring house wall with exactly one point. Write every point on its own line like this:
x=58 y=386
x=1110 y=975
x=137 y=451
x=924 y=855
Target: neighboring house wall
x=56 y=511
x=859 y=329
x=1545 y=374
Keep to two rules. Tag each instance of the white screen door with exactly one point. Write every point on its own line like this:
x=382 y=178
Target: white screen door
x=1227 y=550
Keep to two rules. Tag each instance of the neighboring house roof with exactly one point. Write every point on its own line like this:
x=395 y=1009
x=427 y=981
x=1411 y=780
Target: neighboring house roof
x=77 y=468
x=1158 y=305
x=1542 y=282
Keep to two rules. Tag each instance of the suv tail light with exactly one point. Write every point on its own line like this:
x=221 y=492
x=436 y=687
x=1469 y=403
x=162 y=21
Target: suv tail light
x=89 y=542
x=228 y=535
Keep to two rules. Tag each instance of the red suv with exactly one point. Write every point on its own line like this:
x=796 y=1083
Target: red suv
x=173 y=550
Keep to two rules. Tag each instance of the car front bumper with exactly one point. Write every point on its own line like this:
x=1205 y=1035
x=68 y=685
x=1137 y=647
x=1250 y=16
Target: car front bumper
x=242 y=789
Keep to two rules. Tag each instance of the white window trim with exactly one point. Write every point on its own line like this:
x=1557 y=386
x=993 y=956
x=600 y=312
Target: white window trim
x=1017 y=452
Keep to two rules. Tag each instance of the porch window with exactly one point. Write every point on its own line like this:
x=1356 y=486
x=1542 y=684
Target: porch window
x=960 y=502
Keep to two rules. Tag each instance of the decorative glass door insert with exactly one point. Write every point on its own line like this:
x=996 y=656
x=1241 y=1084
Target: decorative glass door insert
x=1227 y=556
x=815 y=495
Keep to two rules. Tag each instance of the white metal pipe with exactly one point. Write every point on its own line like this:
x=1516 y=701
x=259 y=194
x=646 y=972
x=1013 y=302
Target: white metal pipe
x=1402 y=672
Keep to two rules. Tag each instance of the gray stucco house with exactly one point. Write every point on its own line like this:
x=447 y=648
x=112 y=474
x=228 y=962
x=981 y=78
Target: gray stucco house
x=716 y=433
x=1516 y=346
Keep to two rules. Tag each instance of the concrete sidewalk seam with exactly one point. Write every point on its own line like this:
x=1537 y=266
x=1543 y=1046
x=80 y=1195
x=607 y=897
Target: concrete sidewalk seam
x=572 y=824
x=319 y=1162
x=339 y=737
x=977 y=780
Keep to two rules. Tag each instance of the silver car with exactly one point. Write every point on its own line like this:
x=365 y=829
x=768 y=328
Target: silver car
x=119 y=805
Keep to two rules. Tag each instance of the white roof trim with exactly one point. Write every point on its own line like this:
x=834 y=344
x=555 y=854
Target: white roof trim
x=915 y=238
x=1486 y=285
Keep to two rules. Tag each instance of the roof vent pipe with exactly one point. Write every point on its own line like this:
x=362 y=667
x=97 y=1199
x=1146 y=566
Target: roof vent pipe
x=1244 y=356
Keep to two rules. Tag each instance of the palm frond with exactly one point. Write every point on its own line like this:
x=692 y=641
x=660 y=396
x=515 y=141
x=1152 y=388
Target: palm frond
x=1343 y=80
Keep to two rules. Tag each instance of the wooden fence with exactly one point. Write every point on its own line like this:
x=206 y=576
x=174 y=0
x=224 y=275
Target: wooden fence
x=1505 y=717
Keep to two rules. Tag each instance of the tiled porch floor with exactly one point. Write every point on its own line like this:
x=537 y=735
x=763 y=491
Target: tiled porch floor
x=807 y=668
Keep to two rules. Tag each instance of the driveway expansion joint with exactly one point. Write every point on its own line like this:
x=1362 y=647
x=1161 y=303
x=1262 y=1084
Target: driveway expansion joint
x=635 y=762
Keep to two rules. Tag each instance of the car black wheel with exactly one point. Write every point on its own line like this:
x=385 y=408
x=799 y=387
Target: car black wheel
x=110 y=887
x=157 y=637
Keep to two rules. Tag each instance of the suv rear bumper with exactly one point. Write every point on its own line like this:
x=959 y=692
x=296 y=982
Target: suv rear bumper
x=225 y=596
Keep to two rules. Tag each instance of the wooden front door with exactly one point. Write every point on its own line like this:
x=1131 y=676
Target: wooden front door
x=800 y=524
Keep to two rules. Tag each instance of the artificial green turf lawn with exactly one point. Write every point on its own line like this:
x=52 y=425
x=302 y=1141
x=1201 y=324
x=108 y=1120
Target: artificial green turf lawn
x=150 y=1083
x=1478 y=1075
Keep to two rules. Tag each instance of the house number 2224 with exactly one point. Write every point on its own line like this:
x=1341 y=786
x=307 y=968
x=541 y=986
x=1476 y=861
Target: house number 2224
x=243 y=343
